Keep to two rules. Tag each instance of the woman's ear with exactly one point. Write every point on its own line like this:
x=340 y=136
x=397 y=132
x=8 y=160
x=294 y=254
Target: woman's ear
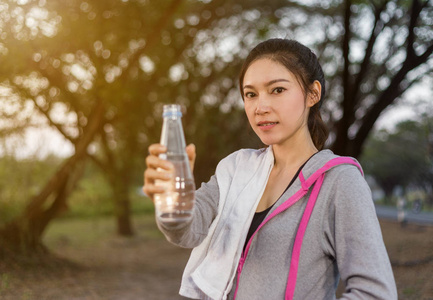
x=315 y=93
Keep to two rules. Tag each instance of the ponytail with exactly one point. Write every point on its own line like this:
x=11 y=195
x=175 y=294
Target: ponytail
x=318 y=129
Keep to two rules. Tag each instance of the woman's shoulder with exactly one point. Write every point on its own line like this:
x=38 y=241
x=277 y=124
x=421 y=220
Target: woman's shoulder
x=338 y=165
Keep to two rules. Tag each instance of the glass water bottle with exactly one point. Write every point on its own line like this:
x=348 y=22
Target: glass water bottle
x=175 y=205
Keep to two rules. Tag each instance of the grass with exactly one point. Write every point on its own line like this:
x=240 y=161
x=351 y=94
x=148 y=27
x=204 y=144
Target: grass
x=4 y=282
x=84 y=232
x=78 y=232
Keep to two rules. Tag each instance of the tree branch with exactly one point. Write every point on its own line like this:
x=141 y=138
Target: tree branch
x=423 y=57
x=377 y=27
x=52 y=123
x=348 y=100
x=414 y=15
x=97 y=161
x=346 y=50
x=95 y=124
x=389 y=95
x=108 y=153
x=153 y=37
x=26 y=94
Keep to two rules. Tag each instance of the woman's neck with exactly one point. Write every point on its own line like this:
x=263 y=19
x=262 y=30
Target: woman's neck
x=293 y=155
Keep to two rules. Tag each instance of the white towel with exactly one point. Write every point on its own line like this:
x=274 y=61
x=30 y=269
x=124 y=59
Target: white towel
x=242 y=178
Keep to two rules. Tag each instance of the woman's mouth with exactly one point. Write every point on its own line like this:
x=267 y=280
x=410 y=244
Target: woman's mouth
x=266 y=125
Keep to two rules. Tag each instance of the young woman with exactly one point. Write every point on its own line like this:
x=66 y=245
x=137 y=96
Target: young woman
x=288 y=221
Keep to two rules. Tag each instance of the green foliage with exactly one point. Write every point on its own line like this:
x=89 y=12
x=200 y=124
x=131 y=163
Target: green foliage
x=82 y=232
x=79 y=232
x=403 y=157
x=4 y=282
x=91 y=197
x=20 y=180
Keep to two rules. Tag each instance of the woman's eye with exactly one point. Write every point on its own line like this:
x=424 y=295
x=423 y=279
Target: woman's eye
x=278 y=90
x=249 y=95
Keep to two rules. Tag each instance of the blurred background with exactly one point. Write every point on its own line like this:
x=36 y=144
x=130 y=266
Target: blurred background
x=82 y=85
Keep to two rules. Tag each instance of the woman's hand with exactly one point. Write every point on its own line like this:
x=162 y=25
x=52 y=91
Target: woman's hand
x=190 y=151
x=160 y=169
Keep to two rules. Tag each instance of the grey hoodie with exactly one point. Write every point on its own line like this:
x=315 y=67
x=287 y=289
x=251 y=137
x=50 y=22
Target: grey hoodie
x=343 y=236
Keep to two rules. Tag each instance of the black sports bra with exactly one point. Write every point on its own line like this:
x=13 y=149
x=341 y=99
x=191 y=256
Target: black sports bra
x=260 y=216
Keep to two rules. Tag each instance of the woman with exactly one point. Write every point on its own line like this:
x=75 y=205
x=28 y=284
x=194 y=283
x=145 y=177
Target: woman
x=288 y=221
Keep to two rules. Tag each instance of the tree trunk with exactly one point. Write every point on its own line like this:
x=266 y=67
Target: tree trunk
x=23 y=235
x=346 y=147
x=122 y=208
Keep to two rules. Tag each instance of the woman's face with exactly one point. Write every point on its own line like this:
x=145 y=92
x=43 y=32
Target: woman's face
x=275 y=103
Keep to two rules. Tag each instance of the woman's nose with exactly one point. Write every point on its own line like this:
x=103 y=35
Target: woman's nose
x=262 y=106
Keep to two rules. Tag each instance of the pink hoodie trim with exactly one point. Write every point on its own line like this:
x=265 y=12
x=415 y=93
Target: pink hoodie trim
x=294 y=263
x=318 y=176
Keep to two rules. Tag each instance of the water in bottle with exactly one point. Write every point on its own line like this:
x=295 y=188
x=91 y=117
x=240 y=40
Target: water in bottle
x=175 y=205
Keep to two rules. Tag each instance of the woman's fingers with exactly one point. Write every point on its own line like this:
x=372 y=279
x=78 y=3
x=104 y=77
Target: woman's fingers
x=158 y=174
x=157 y=169
x=190 y=151
x=150 y=190
x=157 y=149
x=154 y=162
x=150 y=175
x=160 y=169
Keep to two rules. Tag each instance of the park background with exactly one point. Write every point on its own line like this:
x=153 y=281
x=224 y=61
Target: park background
x=82 y=85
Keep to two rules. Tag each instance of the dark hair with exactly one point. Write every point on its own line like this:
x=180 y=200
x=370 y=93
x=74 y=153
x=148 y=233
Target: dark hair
x=303 y=63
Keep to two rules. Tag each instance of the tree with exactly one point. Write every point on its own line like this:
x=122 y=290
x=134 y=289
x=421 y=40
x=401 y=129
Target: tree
x=99 y=72
x=68 y=79
x=378 y=77
x=402 y=157
x=98 y=83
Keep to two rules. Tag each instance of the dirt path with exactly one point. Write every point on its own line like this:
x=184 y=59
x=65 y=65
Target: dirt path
x=148 y=267
x=126 y=269
x=411 y=253
x=110 y=268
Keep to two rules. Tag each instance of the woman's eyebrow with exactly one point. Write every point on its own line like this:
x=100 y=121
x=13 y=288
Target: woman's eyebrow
x=275 y=81
x=268 y=83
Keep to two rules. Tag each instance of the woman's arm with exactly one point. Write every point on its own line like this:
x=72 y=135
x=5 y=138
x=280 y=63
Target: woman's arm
x=361 y=255
x=191 y=234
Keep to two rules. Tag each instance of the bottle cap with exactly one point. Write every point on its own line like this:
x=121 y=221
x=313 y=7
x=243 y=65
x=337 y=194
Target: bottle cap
x=171 y=110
